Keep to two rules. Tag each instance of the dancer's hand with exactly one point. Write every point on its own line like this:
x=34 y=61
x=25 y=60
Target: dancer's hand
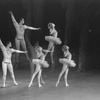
x=25 y=51
x=11 y=12
x=38 y=28
x=0 y=39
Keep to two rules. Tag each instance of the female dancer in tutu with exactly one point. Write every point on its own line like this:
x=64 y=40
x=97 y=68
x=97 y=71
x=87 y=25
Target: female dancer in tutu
x=66 y=61
x=6 y=63
x=20 y=29
x=40 y=62
x=52 y=39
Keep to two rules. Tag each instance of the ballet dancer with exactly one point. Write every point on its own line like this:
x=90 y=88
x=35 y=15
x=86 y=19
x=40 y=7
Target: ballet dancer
x=20 y=30
x=6 y=63
x=52 y=39
x=66 y=61
x=40 y=62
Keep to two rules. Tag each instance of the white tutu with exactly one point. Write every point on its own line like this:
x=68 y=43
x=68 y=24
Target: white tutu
x=53 y=39
x=70 y=63
x=36 y=61
x=42 y=63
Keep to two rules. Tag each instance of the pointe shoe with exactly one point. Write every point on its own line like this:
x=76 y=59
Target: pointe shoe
x=40 y=85
x=30 y=84
x=16 y=83
x=56 y=84
x=4 y=86
x=66 y=84
x=43 y=82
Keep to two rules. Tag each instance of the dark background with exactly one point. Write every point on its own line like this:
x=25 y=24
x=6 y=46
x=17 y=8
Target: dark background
x=54 y=11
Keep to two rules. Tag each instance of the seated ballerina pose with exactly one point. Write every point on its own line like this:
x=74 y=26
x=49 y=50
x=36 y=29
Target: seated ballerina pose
x=6 y=63
x=40 y=62
x=20 y=29
x=66 y=61
x=52 y=39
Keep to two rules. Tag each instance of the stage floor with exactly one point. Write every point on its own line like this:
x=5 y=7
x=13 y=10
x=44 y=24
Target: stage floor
x=83 y=86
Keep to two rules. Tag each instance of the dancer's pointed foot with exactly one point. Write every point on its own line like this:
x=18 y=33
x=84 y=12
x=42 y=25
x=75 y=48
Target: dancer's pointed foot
x=40 y=85
x=66 y=84
x=15 y=83
x=30 y=84
x=43 y=82
x=57 y=84
x=4 y=86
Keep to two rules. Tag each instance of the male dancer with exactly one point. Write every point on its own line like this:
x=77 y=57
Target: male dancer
x=20 y=29
x=6 y=63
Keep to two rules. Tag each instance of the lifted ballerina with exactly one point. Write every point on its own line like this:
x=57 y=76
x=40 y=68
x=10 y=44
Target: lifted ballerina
x=6 y=63
x=52 y=39
x=66 y=63
x=40 y=62
x=20 y=29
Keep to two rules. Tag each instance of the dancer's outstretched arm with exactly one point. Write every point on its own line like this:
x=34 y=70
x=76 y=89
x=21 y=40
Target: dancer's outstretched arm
x=2 y=45
x=46 y=50
x=13 y=19
x=18 y=51
x=31 y=28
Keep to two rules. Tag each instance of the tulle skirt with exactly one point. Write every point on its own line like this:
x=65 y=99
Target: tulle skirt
x=70 y=63
x=53 y=39
x=42 y=63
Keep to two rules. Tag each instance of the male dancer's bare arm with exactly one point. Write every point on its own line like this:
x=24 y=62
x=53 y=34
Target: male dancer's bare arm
x=13 y=19
x=18 y=51
x=31 y=28
x=2 y=46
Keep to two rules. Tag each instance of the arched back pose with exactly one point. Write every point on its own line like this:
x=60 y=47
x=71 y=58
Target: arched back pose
x=52 y=39
x=6 y=63
x=32 y=54
x=20 y=30
x=66 y=61
x=40 y=62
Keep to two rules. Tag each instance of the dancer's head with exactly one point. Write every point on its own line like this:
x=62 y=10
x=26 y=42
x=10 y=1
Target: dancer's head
x=38 y=49
x=9 y=45
x=51 y=25
x=36 y=44
x=65 y=48
x=21 y=21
